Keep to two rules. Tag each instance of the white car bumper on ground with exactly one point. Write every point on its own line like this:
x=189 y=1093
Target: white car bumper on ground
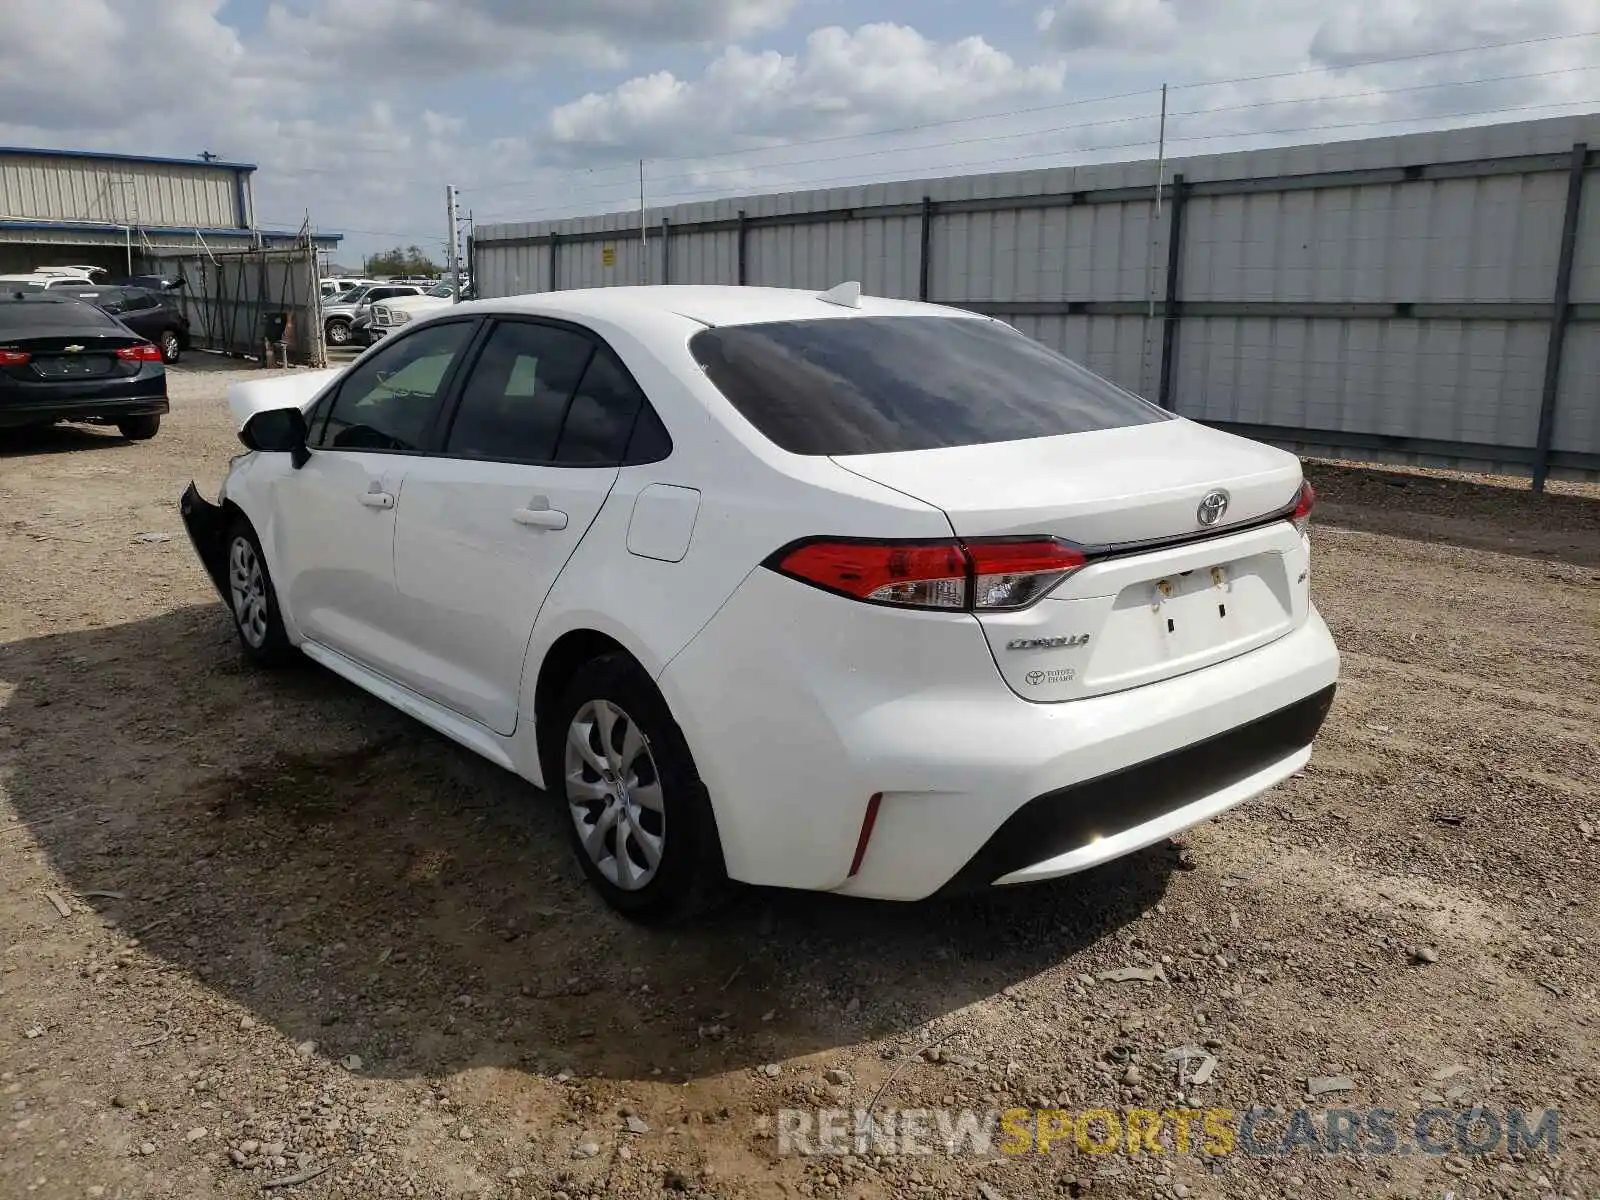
x=802 y=706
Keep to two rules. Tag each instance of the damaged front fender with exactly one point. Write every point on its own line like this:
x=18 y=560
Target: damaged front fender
x=207 y=524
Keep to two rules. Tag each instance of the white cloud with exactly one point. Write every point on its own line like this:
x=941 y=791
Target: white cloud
x=841 y=81
x=145 y=62
x=343 y=106
x=1399 y=27
x=378 y=37
x=1133 y=25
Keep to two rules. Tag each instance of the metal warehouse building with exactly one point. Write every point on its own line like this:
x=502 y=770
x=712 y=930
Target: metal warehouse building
x=122 y=211
x=1429 y=297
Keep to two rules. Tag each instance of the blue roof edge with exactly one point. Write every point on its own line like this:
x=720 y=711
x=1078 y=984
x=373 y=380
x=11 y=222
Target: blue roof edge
x=35 y=152
x=161 y=230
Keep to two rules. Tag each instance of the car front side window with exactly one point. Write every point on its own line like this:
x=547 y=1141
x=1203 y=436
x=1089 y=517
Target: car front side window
x=388 y=401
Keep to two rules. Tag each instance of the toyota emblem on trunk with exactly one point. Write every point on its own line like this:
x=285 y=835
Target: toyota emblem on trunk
x=1212 y=507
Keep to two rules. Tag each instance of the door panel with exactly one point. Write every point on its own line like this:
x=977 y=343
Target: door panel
x=336 y=514
x=477 y=548
x=481 y=537
x=336 y=547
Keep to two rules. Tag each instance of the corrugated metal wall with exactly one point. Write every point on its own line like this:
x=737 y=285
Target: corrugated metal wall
x=117 y=191
x=1388 y=299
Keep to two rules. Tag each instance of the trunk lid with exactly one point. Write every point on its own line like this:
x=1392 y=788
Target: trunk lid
x=1138 y=612
x=1104 y=487
x=71 y=355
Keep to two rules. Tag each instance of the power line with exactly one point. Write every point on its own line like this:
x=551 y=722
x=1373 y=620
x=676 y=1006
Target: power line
x=1220 y=108
x=1084 y=101
x=980 y=165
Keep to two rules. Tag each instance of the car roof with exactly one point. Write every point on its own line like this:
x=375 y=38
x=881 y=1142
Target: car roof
x=708 y=304
x=68 y=306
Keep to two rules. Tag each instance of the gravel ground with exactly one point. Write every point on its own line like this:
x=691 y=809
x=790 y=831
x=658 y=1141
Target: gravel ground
x=259 y=927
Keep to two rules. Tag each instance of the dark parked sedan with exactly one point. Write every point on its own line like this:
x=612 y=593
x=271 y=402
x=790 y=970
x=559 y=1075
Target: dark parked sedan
x=152 y=314
x=62 y=359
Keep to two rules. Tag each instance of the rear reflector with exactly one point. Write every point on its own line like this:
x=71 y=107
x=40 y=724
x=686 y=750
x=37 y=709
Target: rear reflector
x=950 y=575
x=144 y=352
x=1301 y=517
x=867 y=823
x=14 y=358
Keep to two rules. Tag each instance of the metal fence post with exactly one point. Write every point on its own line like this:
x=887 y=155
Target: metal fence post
x=1560 y=310
x=666 y=256
x=1170 y=311
x=927 y=240
x=741 y=248
x=555 y=254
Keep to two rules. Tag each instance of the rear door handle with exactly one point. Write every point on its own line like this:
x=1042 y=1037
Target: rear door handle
x=540 y=518
x=377 y=499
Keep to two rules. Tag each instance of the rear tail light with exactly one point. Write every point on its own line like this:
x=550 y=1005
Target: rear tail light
x=14 y=358
x=1015 y=574
x=143 y=352
x=950 y=575
x=916 y=574
x=1301 y=517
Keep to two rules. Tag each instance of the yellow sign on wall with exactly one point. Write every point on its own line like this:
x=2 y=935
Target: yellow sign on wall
x=608 y=256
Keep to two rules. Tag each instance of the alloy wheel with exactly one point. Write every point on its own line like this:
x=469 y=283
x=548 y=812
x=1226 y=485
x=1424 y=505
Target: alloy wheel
x=248 y=586
x=614 y=794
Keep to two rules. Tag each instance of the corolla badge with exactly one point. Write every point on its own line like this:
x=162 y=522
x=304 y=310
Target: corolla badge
x=1212 y=507
x=1048 y=643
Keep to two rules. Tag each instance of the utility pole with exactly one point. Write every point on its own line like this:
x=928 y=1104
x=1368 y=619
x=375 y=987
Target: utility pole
x=453 y=246
x=644 y=237
x=1150 y=251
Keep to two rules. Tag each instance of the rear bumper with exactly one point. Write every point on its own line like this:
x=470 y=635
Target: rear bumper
x=799 y=707
x=1085 y=824
x=32 y=410
x=207 y=526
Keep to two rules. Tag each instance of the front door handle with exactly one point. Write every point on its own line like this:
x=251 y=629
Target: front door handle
x=540 y=518
x=377 y=499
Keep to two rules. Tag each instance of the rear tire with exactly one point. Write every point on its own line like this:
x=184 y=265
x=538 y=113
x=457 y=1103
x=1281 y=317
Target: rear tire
x=139 y=429
x=253 y=601
x=638 y=816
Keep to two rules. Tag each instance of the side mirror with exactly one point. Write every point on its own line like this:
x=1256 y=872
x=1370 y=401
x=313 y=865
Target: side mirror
x=278 y=430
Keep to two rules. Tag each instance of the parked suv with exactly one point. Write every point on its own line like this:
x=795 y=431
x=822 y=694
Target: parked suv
x=154 y=315
x=339 y=318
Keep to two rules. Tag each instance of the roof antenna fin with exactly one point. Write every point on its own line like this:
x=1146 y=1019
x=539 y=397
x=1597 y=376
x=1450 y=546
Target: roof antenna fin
x=845 y=295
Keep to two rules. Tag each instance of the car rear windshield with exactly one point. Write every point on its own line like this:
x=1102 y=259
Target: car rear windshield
x=869 y=385
x=26 y=315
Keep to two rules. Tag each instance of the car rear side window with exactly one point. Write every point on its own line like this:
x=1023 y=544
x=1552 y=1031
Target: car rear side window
x=513 y=402
x=869 y=385
x=601 y=414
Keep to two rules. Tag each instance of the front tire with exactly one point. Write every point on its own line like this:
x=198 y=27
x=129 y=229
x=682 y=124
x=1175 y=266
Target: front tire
x=139 y=429
x=339 y=332
x=253 y=600
x=638 y=816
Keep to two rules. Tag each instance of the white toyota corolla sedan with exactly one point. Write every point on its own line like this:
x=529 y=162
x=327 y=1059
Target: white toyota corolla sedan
x=808 y=590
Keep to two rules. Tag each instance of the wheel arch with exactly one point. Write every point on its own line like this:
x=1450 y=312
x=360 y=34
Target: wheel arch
x=561 y=662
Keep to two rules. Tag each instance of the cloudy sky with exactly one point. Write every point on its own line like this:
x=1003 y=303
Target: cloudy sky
x=361 y=110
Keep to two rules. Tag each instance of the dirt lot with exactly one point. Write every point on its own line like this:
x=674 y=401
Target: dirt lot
x=301 y=932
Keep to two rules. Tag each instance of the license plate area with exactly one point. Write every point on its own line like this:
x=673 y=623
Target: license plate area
x=1106 y=628
x=88 y=366
x=1191 y=607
